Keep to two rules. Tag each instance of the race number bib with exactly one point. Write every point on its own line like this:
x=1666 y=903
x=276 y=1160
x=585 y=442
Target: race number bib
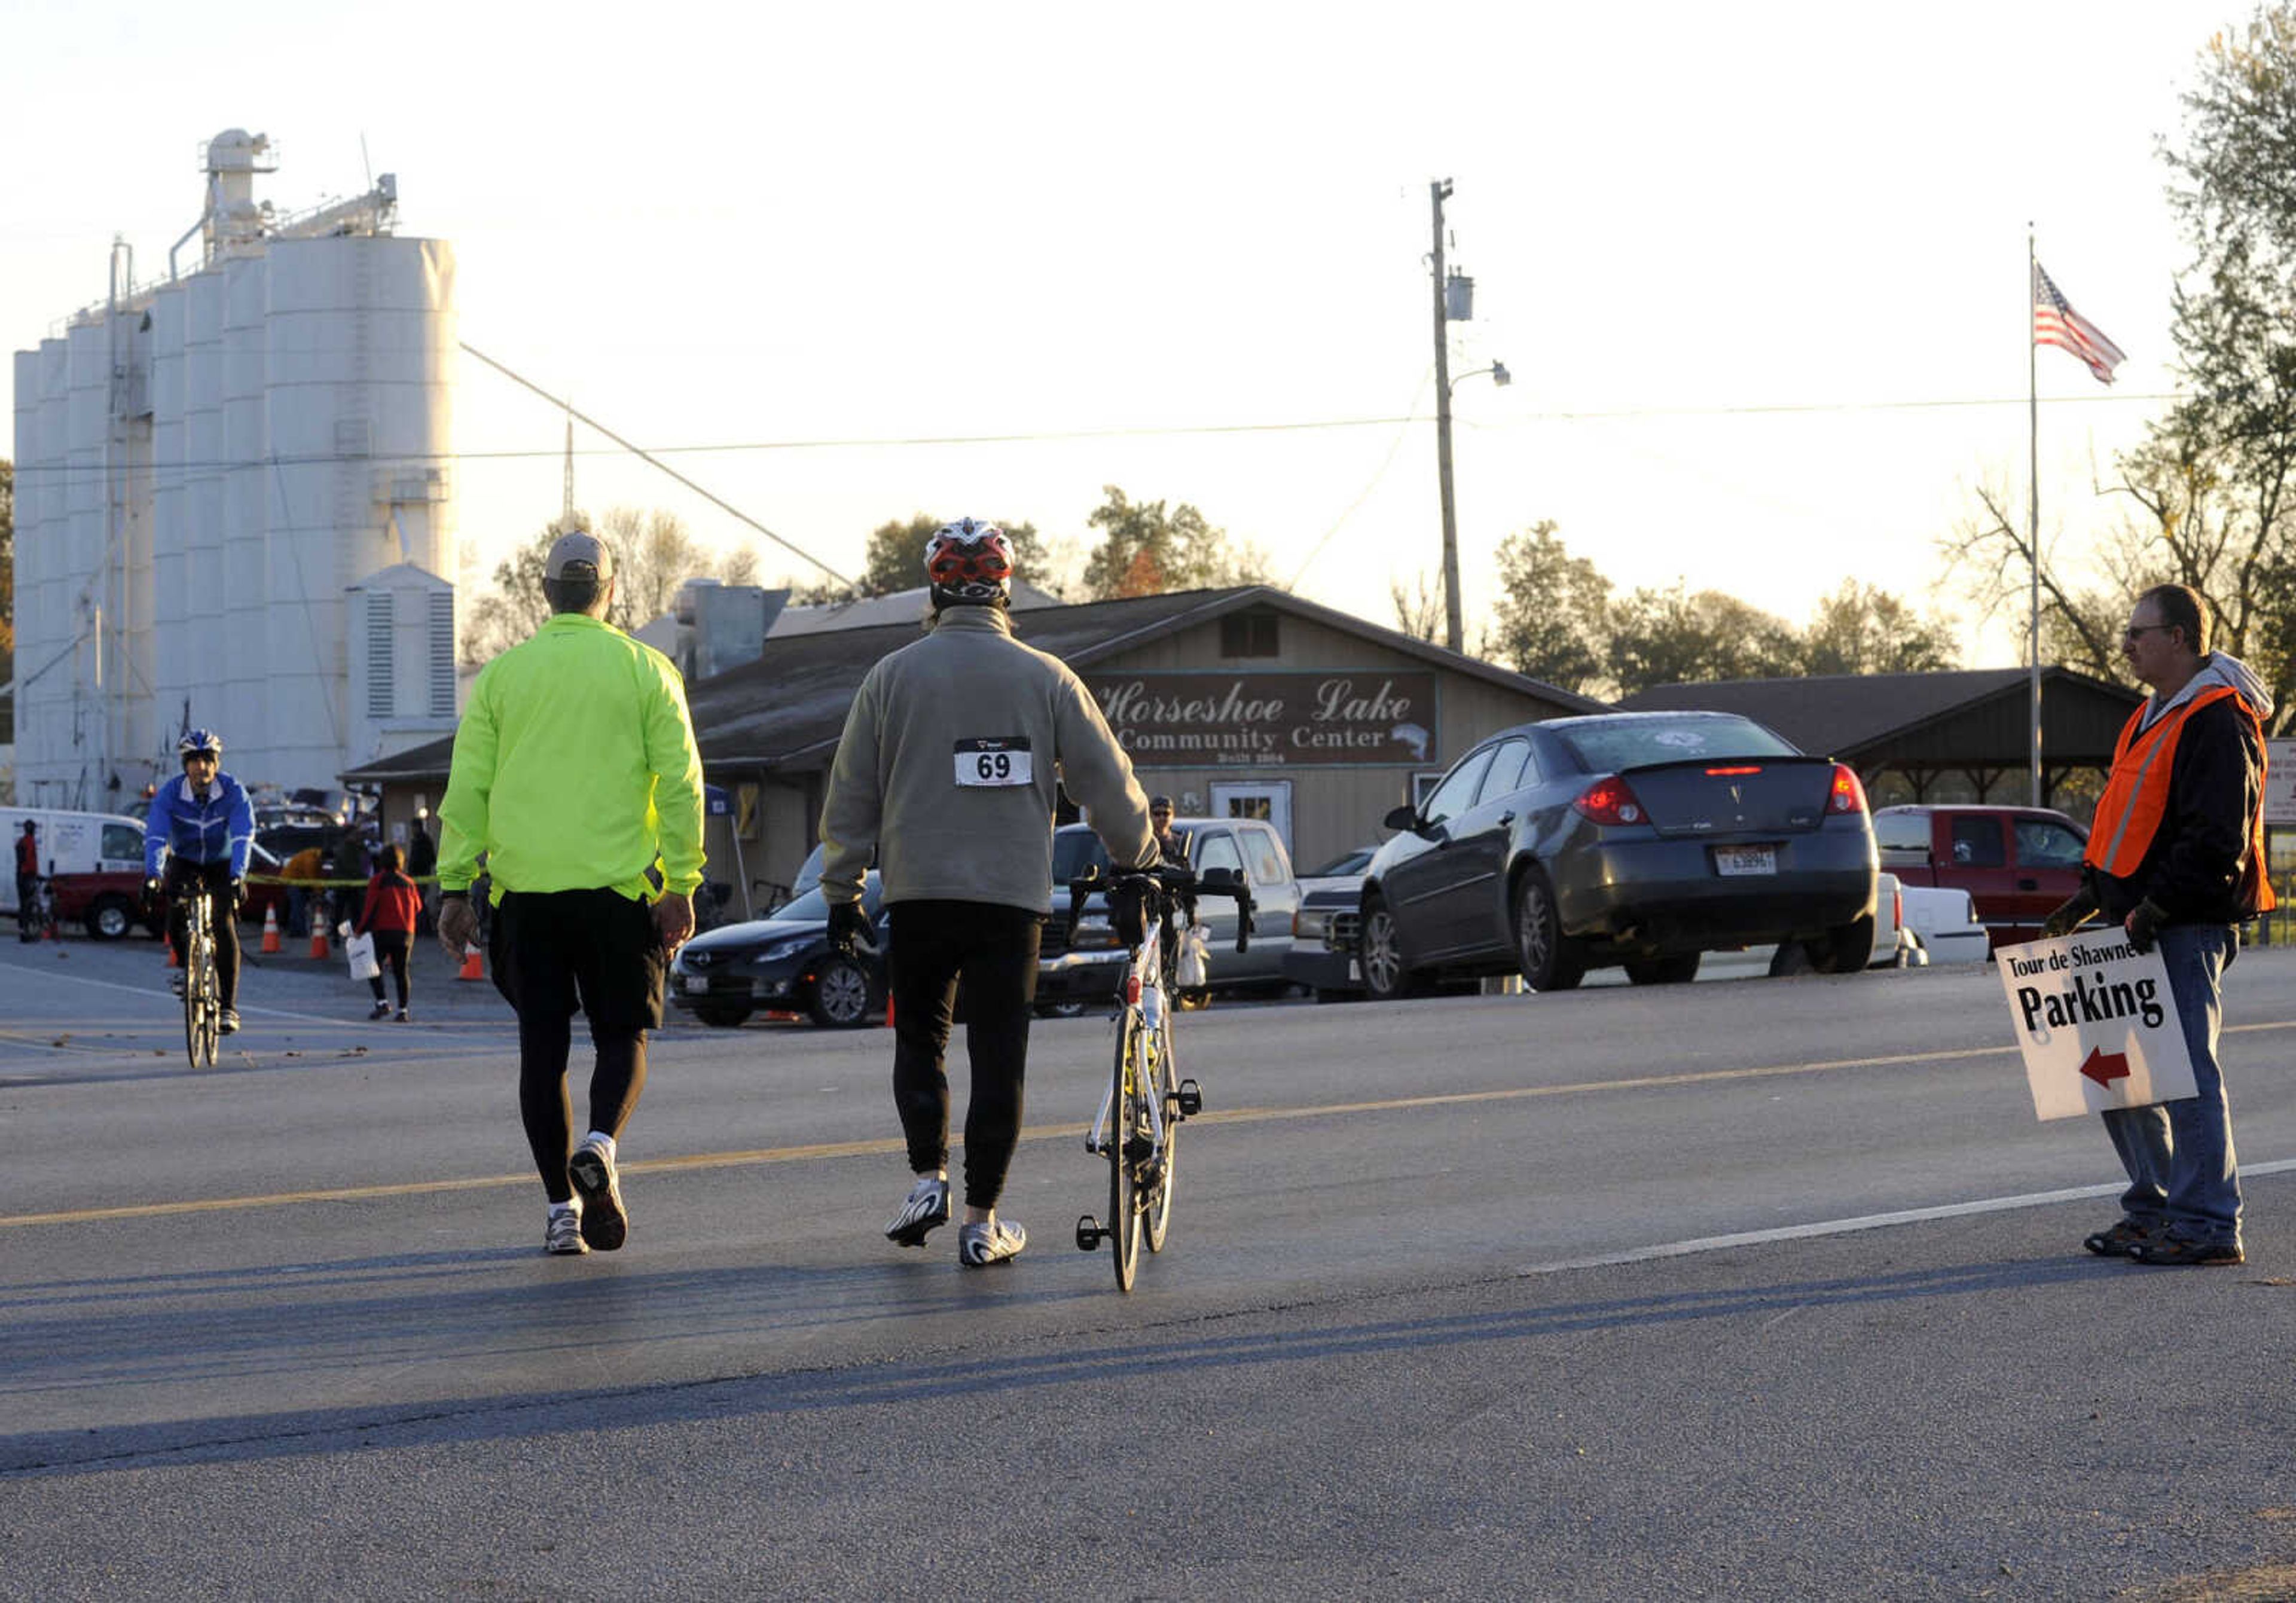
x=1003 y=762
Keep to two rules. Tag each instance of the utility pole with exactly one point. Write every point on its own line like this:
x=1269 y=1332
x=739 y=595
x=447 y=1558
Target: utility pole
x=1454 y=635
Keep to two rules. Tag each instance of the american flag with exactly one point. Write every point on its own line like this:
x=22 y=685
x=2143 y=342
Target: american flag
x=2055 y=323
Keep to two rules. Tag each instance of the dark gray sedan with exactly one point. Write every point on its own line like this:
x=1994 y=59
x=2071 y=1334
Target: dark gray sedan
x=1637 y=839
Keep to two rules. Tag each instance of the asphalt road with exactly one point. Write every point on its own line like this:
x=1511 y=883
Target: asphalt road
x=1752 y=1289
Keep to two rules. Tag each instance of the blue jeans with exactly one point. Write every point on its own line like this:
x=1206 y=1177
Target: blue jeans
x=2182 y=1172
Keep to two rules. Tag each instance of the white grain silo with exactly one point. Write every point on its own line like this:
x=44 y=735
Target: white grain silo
x=209 y=465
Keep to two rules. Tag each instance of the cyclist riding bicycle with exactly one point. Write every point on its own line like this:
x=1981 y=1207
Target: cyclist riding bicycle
x=202 y=823
x=28 y=882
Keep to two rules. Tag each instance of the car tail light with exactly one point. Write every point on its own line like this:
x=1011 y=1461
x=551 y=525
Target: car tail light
x=1849 y=795
x=1897 y=907
x=1610 y=800
x=1734 y=772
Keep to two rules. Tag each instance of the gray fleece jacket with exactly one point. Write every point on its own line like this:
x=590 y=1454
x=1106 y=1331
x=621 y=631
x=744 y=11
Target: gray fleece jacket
x=947 y=769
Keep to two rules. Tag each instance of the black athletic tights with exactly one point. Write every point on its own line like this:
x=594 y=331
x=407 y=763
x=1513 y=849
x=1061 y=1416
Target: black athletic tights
x=993 y=949
x=554 y=952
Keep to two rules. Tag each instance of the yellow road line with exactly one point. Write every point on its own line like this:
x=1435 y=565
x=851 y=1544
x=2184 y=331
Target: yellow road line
x=888 y=1147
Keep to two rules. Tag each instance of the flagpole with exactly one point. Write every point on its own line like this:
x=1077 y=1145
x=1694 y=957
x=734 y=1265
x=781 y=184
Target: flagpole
x=2033 y=487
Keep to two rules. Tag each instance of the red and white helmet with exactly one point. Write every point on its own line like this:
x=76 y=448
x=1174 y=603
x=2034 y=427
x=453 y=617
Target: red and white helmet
x=970 y=561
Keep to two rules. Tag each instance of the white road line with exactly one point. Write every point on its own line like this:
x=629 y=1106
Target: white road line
x=1842 y=1227
x=162 y=994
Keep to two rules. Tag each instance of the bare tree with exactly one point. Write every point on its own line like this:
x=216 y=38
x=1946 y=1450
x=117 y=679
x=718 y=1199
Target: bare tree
x=653 y=555
x=1418 y=610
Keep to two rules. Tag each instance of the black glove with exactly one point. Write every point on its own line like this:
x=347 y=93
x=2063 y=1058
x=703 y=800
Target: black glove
x=238 y=896
x=850 y=933
x=2145 y=923
x=2070 y=914
x=1128 y=913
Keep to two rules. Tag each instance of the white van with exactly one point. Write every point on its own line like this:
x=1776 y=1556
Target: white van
x=72 y=843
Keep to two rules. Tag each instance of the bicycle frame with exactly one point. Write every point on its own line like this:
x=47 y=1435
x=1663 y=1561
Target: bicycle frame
x=1146 y=999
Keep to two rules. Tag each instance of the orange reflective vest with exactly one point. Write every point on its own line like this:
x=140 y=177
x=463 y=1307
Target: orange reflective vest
x=2136 y=796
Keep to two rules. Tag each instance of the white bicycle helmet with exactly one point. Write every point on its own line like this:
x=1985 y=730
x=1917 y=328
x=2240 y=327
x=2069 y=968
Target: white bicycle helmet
x=969 y=561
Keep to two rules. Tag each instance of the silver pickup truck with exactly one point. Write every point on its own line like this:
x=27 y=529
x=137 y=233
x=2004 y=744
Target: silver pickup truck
x=1070 y=975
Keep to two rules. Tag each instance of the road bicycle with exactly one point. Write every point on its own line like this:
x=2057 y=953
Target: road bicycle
x=202 y=985
x=1137 y=1129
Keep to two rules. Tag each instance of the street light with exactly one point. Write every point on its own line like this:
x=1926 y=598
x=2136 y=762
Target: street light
x=1498 y=369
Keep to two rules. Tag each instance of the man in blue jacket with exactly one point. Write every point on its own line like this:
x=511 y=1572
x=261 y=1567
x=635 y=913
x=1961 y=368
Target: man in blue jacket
x=202 y=824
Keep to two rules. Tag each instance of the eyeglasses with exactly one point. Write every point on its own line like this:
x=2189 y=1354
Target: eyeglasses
x=2128 y=636
x=199 y=756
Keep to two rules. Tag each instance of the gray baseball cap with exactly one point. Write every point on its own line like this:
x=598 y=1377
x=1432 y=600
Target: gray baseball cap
x=578 y=554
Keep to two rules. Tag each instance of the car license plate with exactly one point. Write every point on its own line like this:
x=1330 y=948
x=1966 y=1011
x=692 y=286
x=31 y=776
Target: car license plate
x=1745 y=859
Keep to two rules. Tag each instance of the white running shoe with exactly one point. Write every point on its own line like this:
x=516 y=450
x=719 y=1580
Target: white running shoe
x=562 y=1237
x=605 y=1224
x=925 y=1211
x=977 y=1246
x=228 y=1024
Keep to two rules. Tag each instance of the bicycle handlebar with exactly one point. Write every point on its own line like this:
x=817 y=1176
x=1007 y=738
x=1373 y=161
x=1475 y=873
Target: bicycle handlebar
x=1173 y=881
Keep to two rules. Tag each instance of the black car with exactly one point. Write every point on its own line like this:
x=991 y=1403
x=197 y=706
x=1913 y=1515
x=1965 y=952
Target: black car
x=783 y=963
x=1637 y=839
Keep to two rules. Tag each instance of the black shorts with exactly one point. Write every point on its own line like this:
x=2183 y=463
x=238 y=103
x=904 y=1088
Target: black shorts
x=554 y=952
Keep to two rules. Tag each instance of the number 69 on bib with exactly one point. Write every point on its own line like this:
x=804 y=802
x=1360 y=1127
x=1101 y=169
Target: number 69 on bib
x=994 y=762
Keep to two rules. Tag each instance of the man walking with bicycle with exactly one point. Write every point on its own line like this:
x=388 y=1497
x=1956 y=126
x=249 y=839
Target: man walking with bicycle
x=949 y=770
x=202 y=823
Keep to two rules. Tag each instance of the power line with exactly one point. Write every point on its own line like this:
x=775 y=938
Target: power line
x=723 y=505
x=1052 y=437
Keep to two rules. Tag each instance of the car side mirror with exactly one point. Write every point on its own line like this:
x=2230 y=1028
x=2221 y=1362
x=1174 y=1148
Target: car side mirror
x=1406 y=817
x=1217 y=879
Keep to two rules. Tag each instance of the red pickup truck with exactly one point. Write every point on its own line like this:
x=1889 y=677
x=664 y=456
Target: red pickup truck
x=109 y=903
x=2016 y=863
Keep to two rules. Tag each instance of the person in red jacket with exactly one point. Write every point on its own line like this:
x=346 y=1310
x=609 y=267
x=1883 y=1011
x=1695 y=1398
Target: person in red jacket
x=393 y=903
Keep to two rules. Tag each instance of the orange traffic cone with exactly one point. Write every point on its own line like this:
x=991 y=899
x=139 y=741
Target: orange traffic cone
x=889 y=1010
x=473 y=966
x=318 y=939
x=271 y=928
x=173 y=961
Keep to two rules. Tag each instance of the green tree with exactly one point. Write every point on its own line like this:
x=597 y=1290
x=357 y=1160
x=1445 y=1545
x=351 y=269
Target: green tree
x=653 y=555
x=1860 y=629
x=7 y=569
x=1676 y=636
x=2206 y=497
x=1145 y=549
x=1553 y=620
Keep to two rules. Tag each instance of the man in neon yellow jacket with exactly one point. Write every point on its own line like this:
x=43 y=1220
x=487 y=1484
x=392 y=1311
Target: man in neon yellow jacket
x=576 y=775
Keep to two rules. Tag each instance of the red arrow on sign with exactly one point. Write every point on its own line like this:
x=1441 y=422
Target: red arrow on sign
x=2104 y=1068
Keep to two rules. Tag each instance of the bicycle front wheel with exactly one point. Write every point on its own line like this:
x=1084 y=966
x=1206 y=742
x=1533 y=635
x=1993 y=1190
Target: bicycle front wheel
x=1127 y=1143
x=1166 y=1089
x=202 y=1003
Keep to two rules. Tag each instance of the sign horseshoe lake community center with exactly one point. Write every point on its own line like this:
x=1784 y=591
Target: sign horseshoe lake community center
x=1197 y=719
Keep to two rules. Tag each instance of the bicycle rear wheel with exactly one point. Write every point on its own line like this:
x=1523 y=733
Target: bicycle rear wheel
x=1165 y=1087
x=1126 y=1141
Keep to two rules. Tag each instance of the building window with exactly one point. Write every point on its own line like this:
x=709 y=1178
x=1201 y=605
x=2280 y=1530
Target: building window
x=382 y=700
x=1248 y=634
x=442 y=653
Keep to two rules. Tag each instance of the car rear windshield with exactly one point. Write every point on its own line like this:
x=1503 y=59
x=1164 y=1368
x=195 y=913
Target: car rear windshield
x=1607 y=746
x=1074 y=852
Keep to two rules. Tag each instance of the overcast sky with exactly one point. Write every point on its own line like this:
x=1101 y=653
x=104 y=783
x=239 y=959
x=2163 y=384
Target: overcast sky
x=1759 y=271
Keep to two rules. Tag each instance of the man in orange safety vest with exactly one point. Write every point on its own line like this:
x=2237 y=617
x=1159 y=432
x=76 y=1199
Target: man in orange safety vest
x=2176 y=857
